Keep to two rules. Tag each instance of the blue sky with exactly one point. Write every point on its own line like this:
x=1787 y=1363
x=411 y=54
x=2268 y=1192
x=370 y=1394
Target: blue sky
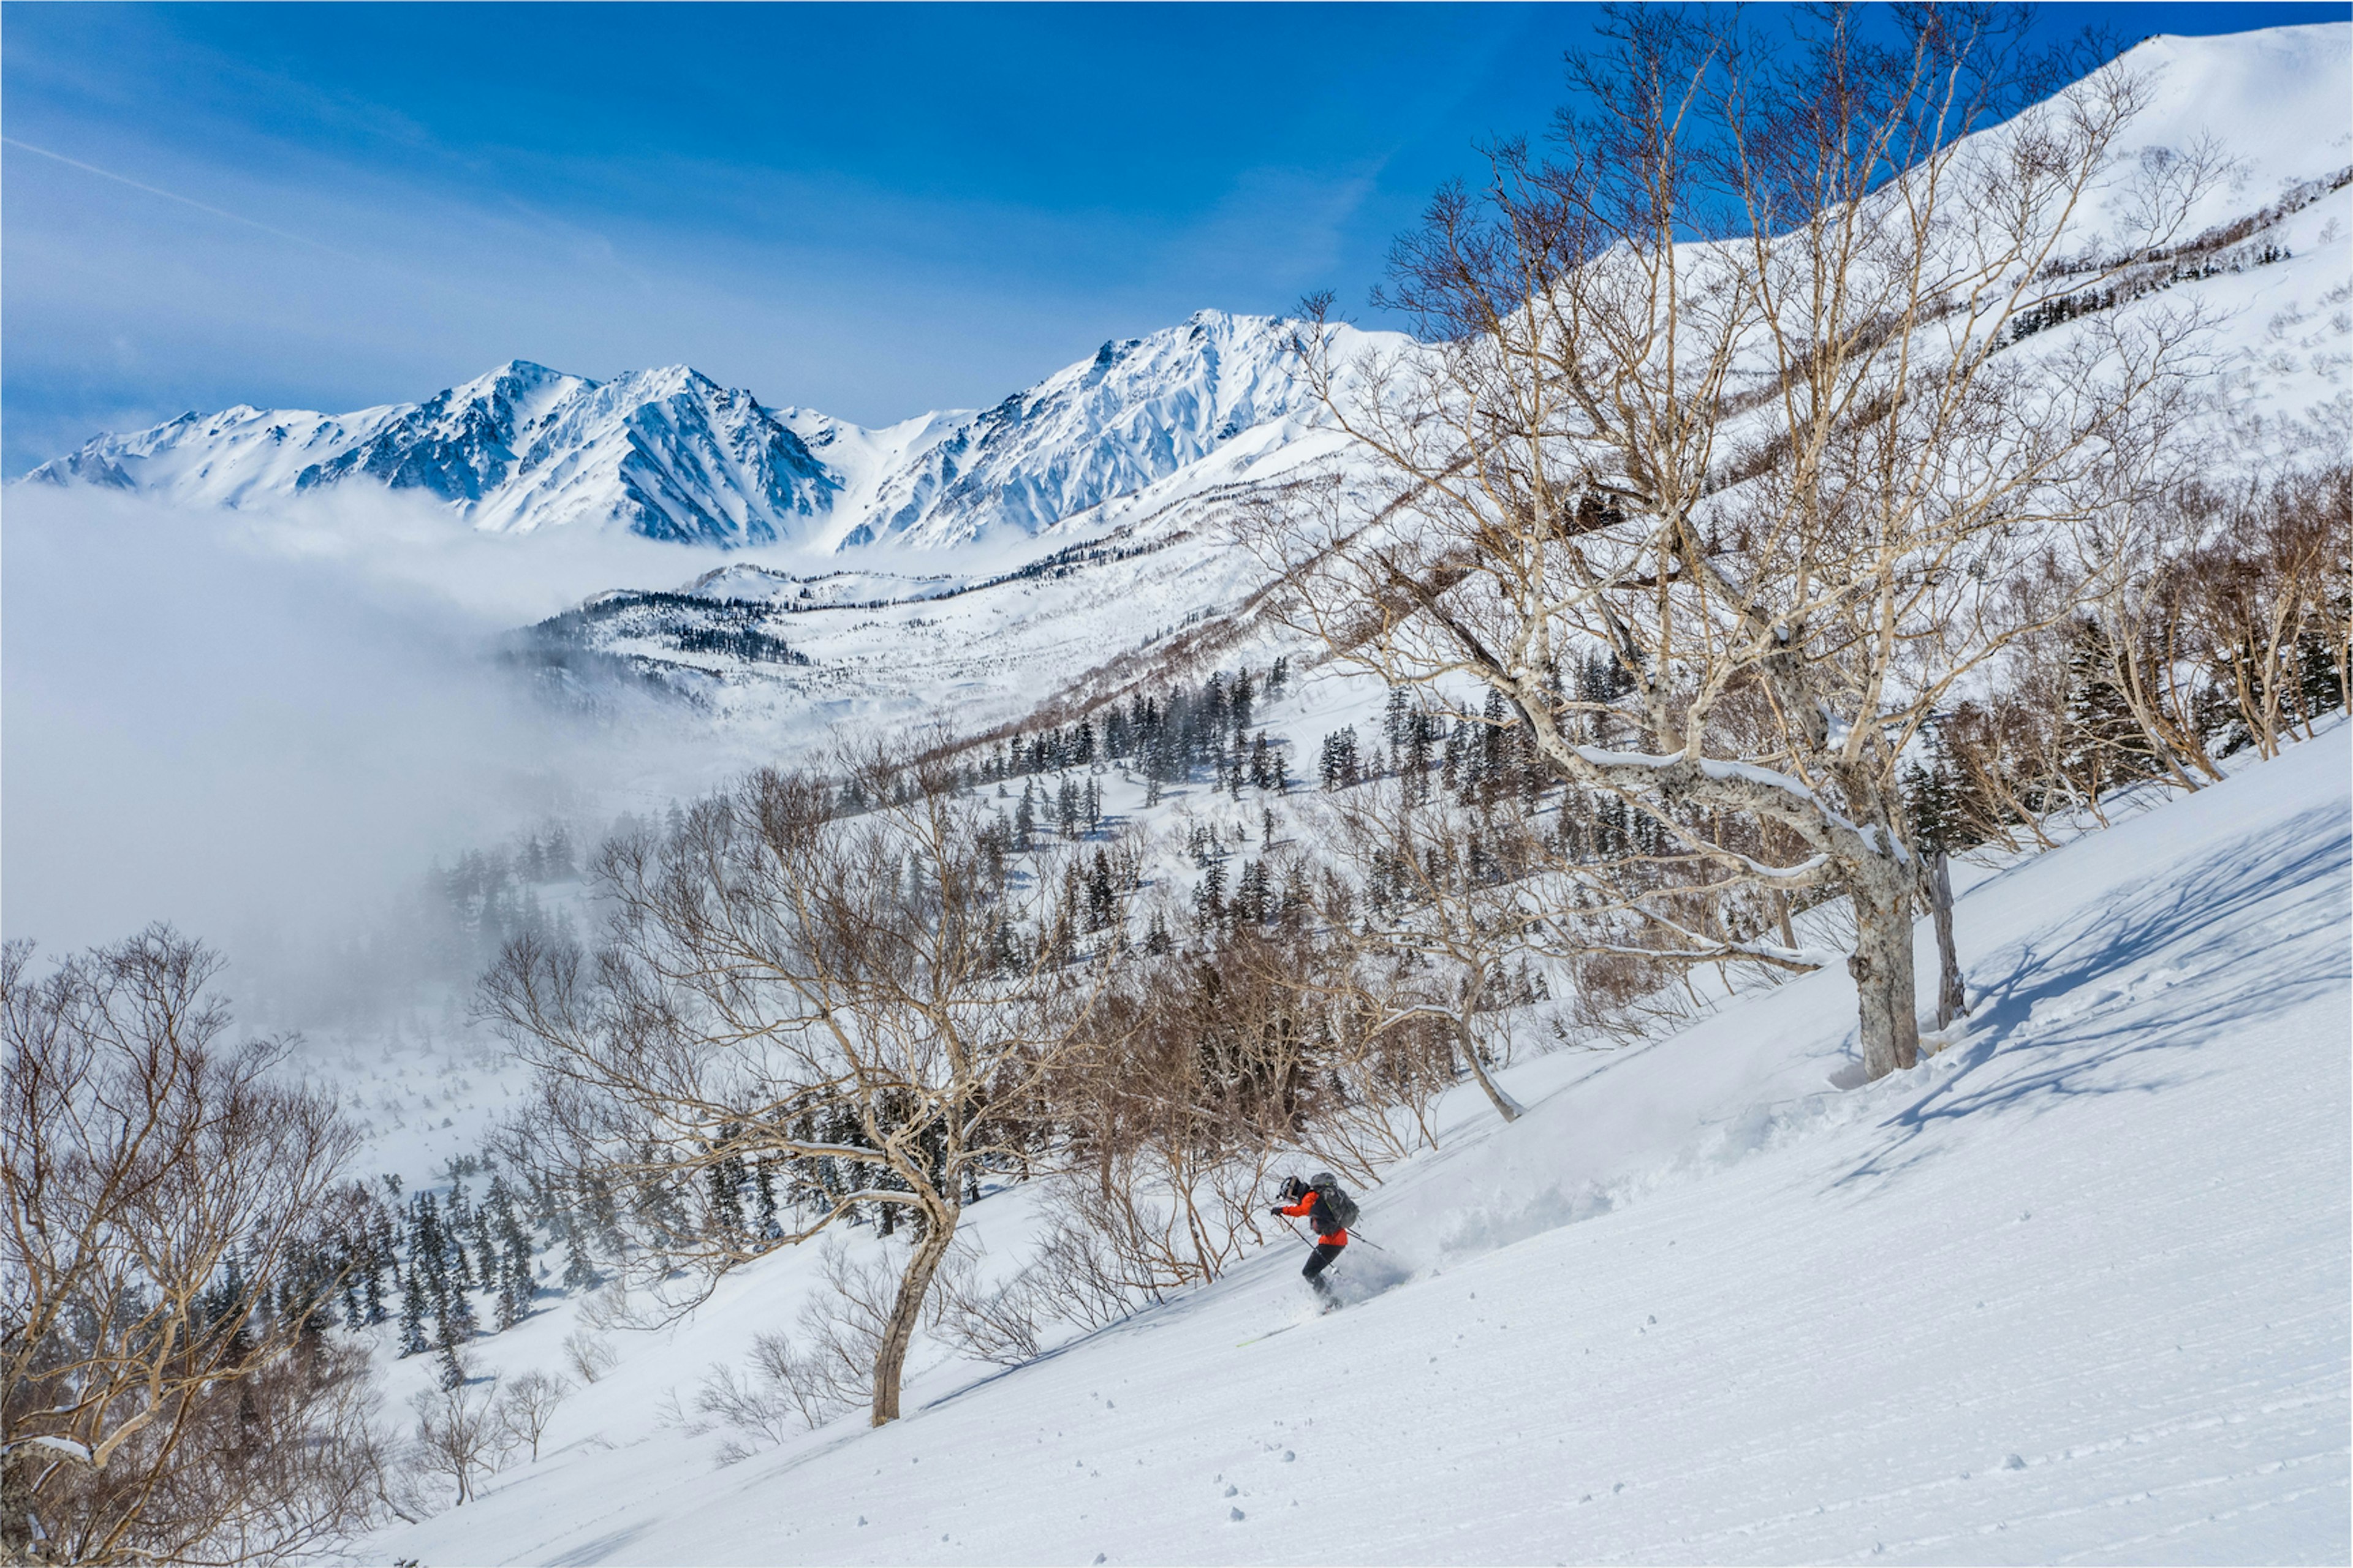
x=870 y=210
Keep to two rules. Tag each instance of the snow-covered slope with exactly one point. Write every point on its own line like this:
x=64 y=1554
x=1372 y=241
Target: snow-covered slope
x=883 y=647
x=1139 y=410
x=2077 y=1288
x=670 y=455
x=2275 y=99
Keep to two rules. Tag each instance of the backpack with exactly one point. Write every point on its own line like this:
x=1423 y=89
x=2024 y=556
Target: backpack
x=1344 y=1207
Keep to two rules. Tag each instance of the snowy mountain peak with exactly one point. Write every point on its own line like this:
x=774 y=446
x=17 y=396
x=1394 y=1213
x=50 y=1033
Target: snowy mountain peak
x=670 y=454
x=1137 y=411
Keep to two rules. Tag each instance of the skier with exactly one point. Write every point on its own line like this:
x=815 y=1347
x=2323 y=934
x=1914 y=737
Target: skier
x=1312 y=1201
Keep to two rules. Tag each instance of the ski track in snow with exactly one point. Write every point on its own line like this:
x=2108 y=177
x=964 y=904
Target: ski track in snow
x=2077 y=1289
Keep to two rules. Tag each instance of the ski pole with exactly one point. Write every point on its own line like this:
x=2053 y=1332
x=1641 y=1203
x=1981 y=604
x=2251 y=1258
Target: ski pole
x=1354 y=1235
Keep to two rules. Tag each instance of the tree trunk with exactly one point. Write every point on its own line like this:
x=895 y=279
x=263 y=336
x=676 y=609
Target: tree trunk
x=1881 y=967
x=18 y=1541
x=1952 y=999
x=1505 y=1106
x=890 y=1355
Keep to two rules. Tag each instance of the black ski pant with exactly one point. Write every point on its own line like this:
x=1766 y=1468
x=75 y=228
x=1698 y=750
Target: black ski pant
x=1325 y=1251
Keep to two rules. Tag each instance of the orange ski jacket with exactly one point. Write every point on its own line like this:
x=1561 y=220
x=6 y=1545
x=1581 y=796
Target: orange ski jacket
x=1306 y=1207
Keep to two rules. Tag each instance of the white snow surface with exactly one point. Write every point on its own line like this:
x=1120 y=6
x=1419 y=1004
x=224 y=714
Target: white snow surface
x=2074 y=1289
x=2276 y=99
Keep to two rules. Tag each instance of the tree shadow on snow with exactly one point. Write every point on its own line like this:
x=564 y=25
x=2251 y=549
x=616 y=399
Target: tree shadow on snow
x=2249 y=929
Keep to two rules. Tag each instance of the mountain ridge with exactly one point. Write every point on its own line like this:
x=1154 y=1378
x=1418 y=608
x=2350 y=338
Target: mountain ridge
x=669 y=454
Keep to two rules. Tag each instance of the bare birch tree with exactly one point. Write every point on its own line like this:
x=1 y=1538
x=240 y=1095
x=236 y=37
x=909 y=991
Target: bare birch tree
x=169 y=1389
x=526 y=1403
x=1456 y=904
x=1733 y=388
x=783 y=980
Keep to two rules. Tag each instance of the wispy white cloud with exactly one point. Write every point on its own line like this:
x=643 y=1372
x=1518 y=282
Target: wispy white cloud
x=174 y=196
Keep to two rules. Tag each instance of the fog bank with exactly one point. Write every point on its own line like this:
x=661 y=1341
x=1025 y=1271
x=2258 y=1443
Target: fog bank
x=260 y=727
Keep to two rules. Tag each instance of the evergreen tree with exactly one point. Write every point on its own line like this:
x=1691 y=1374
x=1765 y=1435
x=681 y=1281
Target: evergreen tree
x=413 y=1311
x=1209 y=898
x=1937 y=800
x=515 y=1285
x=579 y=1270
x=486 y=1250
x=1395 y=718
x=1339 y=767
x=1100 y=902
x=463 y=1322
x=1253 y=896
x=2320 y=685
x=2104 y=744
x=427 y=1252
x=764 y=1184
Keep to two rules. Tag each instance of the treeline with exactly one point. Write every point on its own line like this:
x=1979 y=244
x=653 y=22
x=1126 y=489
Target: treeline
x=2213 y=254
x=2231 y=636
x=1168 y=738
x=937 y=993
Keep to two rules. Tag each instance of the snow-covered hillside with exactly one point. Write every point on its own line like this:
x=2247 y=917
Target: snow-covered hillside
x=2076 y=1288
x=881 y=648
x=669 y=454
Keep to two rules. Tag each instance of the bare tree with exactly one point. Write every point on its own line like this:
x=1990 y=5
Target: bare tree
x=1734 y=391
x=589 y=1354
x=1001 y=1323
x=784 y=1388
x=861 y=990
x=172 y=1390
x=1452 y=901
x=1195 y=1066
x=526 y=1403
x=458 y=1436
x=2271 y=594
